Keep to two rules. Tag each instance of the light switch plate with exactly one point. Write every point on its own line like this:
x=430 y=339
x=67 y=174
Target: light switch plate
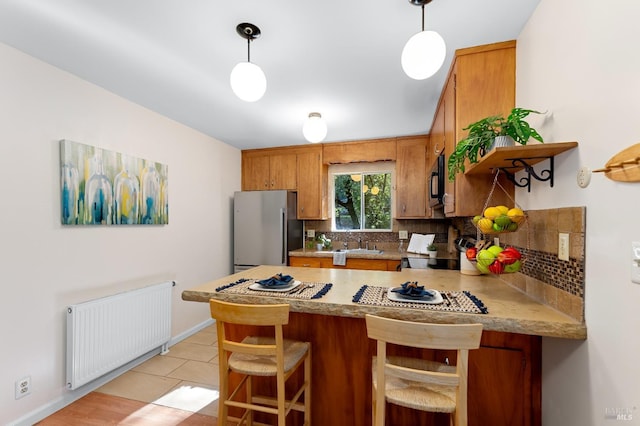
x=563 y=246
x=311 y=233
x=403 y=235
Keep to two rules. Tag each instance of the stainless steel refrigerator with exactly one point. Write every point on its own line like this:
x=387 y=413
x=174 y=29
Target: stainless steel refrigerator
x=265 y=228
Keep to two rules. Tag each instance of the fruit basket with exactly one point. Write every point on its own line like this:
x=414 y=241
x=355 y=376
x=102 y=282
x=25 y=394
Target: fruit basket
x=499 y=219
x=493 y=259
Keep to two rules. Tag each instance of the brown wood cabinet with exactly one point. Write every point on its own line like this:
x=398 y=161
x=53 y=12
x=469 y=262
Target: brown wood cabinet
x=504 y=380
x=504 y=375
x=481 y=83
x=312 y=184
x=352 y=263
x=360 y=151
x=411 y=178
x=268 y=170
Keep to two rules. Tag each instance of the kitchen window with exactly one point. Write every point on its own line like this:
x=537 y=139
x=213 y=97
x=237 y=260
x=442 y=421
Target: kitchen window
x=361 y=197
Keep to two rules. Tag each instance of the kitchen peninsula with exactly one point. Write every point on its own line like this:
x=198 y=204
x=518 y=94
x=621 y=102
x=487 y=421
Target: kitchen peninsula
x=504 y=381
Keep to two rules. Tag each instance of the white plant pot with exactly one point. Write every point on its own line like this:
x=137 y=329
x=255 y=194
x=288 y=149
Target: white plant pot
x=432 y=253
x=502 y=141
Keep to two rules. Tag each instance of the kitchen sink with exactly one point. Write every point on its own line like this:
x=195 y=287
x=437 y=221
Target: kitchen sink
x=362 y=251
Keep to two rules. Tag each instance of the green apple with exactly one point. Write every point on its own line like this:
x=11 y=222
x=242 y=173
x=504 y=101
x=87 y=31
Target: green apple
x=514 y=267
x=485 y=257
x=482 y=268
x=503 y=221
x=495 y=250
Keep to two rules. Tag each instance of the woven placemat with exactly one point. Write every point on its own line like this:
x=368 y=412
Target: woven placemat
x=306 y=290
x=454 y=301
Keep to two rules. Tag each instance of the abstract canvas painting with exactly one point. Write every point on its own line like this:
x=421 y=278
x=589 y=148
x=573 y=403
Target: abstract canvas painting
x=103 y=187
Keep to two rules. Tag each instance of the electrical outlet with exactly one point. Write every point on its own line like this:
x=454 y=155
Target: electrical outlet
x=584 y=177
x=311 y=233
x=403 y=235
x=496 y=241
x=563 y=246
x=23 y=387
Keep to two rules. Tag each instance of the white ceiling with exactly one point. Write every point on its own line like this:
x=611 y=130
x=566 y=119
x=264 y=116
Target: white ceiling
x=338 y=57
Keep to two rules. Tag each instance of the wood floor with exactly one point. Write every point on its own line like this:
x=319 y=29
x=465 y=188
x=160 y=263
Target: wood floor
x=99 y=409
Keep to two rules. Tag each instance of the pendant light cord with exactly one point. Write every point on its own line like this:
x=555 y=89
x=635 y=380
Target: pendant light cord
x=423 y=17
x=249 y=49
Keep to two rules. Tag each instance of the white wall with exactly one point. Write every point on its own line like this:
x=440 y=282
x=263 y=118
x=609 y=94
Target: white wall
x=45 y=266
x=579 y=60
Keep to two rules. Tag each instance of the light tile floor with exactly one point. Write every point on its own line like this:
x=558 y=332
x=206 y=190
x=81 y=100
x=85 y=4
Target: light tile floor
x=186 y=378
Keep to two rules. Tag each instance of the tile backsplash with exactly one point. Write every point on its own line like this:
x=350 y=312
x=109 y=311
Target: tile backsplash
x=558 y=283
x=438 y=227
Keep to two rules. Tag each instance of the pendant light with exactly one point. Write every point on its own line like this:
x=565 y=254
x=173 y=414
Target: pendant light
x=424 y=53
x=248 y=81
x=314 y=128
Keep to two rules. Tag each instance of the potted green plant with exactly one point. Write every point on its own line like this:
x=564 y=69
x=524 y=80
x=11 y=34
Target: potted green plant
x=322 y=242
x=432 y=251
x=482 y=135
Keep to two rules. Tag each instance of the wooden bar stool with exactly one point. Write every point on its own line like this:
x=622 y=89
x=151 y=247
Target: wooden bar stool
x=418 y=383
x=260 y=356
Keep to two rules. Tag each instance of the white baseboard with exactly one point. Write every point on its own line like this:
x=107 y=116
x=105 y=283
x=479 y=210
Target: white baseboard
x=71 y=396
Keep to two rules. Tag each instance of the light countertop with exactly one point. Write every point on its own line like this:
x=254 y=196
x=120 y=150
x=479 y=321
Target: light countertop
x=510 y=310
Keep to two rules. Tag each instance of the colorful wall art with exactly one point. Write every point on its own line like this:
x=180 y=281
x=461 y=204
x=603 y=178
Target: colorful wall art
x=102 y=187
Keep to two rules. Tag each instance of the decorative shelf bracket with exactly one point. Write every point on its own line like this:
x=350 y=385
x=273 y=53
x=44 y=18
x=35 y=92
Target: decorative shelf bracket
x=525 y=182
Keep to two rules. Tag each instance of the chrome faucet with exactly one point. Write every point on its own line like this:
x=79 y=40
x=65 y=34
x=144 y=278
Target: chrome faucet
x=366 y=245
x=359 y=242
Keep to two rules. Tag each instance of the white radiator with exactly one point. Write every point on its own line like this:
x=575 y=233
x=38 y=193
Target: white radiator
x=106 y=333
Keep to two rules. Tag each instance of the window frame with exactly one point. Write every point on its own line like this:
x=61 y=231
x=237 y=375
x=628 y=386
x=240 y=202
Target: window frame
x=357 y=168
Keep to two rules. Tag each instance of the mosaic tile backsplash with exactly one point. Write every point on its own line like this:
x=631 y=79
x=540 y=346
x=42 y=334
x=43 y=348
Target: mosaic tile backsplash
x=558 y=283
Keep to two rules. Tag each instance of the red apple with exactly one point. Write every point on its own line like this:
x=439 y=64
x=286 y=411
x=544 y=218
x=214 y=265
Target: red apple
x=515 y=252
x=496 y=267
x=471 y=253
x=508 y=256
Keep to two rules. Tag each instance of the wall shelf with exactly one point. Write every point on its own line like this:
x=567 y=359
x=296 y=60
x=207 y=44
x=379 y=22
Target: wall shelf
x=511 y=160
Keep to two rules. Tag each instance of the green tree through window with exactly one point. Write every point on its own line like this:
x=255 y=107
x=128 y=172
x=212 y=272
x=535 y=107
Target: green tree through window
x=362 y=201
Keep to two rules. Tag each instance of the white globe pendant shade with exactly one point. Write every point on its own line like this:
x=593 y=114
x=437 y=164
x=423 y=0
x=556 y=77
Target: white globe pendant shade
x=314 y=129
x=248 y=81
x=423 y=55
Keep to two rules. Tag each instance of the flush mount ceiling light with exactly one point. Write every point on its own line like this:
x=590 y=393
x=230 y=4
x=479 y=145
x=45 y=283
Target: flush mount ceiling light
x=424 y=53
x=314 y=129
x=247 y=80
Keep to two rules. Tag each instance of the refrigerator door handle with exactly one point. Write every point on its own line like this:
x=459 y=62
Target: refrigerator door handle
x=283 y=232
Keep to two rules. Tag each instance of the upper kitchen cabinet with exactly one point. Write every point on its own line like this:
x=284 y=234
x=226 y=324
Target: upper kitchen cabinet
x=312 y=184
x=367 y=151
x=481 y=83
x=267 y=169
x=411 y=177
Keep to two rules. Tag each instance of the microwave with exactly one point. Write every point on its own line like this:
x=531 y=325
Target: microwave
x=436 y=182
